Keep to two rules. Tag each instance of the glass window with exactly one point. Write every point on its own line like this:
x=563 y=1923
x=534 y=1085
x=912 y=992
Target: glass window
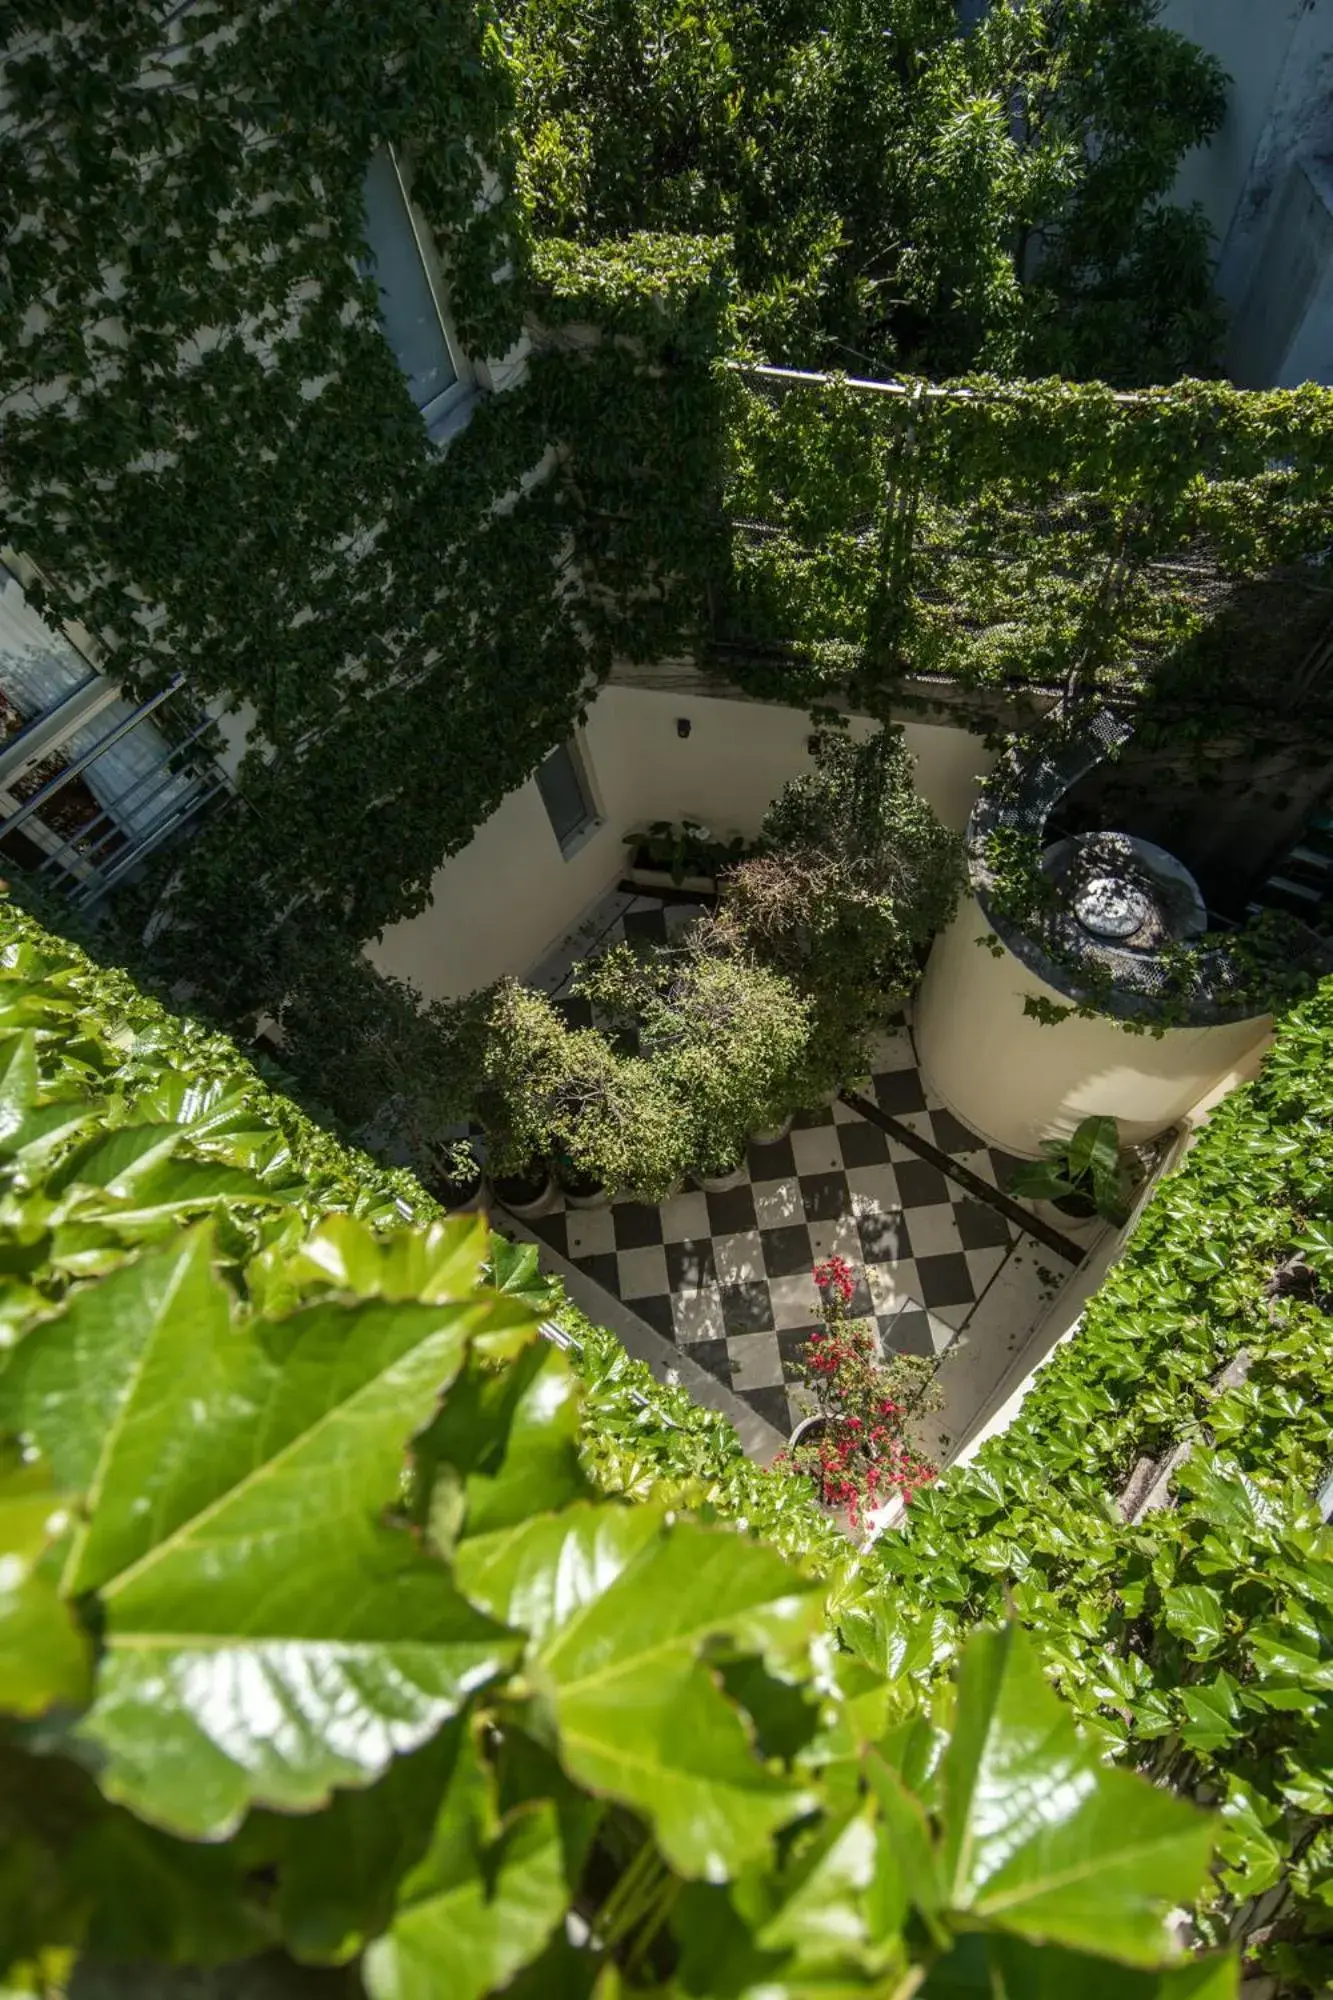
x=564 y=790
x=411 y=316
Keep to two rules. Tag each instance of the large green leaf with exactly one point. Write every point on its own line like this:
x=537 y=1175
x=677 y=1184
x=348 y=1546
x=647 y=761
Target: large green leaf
x=18 y=1082
x=505 y=1445
x=621 y=1608
x=266 y=1638
x=338 y=1870
x=151 y=1897
x=44 y=1656
x=1039 y=1837
x=1007 y=1968
x=481 y=1903
x=1094 y=1148
x=1195 y=1612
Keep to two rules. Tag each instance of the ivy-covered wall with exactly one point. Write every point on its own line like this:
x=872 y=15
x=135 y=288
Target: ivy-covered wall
x=1192 y=1625
x=211 y=454
x=1049 y=532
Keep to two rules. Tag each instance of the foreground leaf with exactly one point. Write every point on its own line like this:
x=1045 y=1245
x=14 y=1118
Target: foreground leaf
x=1004 y=1968
x=43 y=1654
x=266 y=1637
x=476 y=1909
x=1040 y=1838
x=339 y=1869
x=620 y=1608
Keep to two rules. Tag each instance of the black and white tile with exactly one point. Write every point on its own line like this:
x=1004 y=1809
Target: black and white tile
x=729 y=1277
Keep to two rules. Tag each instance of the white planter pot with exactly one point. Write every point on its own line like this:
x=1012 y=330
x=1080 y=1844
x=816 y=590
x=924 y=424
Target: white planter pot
x=719 y=1183
x=1078 y=1228
x=662 y=878
x=768 y=1135
x=525 y=1210
x=597 y=1200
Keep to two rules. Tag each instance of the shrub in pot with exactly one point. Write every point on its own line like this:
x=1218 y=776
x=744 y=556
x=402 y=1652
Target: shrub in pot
x=854 y=876
x=519 y=1067
x=456 y=1176
x=1081 y=1176
x=855 y=1446
x=732 y=1038
x=609 y=1120
x=613 y=1122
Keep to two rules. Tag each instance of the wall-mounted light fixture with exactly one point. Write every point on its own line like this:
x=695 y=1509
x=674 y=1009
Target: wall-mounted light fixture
x=683 y=726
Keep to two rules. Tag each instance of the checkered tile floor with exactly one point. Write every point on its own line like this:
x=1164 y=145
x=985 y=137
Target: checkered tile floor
x=729 y=1277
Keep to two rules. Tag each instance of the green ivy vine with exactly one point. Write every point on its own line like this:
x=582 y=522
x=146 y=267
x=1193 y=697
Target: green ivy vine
x=1195 y=1639
x=1046 y=533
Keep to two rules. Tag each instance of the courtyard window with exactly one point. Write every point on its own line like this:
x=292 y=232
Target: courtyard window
x=567 y=796
x=402 y=261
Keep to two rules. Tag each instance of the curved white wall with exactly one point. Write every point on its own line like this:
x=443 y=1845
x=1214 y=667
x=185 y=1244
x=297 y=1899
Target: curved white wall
x=1017 y=1082
x=510 y=895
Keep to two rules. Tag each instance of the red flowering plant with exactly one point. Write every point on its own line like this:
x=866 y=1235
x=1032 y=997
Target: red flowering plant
x=861 y=1455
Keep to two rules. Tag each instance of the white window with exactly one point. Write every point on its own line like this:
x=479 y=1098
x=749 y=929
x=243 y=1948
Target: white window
x=567 y=796
x=402 y=261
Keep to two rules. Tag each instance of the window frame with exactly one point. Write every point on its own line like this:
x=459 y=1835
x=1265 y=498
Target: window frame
x=593 y=819
x=440 y=415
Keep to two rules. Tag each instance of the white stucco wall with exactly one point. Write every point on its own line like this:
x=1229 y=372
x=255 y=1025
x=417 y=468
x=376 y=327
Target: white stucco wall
x=1274 y=269
x=1250 y=39
x=1018 y=1081
x=500 y=904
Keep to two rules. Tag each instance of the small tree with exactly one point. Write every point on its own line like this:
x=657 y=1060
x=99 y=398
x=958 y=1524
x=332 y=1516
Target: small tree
x=855 y=876
x=729 y=1037
x=520 y=1069
x=549 y=1089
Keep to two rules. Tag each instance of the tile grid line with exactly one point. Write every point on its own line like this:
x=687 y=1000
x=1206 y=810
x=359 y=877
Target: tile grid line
x=1022 y=1218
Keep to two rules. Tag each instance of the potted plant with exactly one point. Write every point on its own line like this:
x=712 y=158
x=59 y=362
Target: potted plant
x=855 y=1445
x=680 y=856
x=1080 y=1178
x=733 y=1036
x=456 y=1179
x=853 y=877
x=524 y=1188
x=522 y=1047
x=613 y=1125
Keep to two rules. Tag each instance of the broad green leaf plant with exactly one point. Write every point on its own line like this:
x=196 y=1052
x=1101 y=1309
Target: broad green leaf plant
x=1191 y=1629
x=319 y=1641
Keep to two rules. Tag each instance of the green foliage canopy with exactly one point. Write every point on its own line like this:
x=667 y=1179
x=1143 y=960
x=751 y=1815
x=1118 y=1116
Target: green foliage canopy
x=902 y=192
x=332 y=1651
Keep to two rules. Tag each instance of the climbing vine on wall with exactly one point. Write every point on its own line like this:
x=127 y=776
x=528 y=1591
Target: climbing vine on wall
x=1048 y=532
x=1195 y=1635
x=213 y=458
